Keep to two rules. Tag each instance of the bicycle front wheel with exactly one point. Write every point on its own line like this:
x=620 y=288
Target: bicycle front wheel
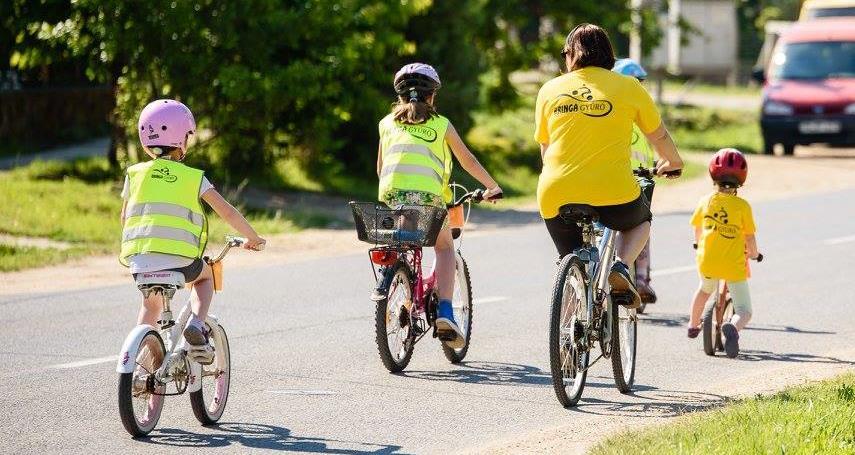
x=462 y=305
x=710 y=326
x=393 y=322
x=209 y=402
x=140 y=395
x=624 y=342
x=569 y=319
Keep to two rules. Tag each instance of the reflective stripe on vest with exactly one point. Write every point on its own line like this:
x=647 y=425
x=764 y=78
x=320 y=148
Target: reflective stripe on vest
x=164 y=214
x=159 y=232
x=415 y=157
x=165 y=208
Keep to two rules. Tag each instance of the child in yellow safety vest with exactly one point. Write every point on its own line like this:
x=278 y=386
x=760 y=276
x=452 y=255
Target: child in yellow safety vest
x=414 y=166
x=163 y=223
x=724 y=235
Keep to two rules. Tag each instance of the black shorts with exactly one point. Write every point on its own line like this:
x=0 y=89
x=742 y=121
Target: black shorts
x=191 y=272
x=622 y=217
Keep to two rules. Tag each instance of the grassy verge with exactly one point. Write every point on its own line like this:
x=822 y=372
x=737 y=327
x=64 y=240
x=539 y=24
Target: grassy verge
x=79 y=203
x=817 y=418
x=697 y=128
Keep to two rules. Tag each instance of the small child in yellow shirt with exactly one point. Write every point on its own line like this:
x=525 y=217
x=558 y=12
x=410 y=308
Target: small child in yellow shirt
x=724 y=234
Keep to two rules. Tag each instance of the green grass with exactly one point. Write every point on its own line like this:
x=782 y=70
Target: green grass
x=673 y=85
x=817 y=418
x=704 y=129
x=79 y=203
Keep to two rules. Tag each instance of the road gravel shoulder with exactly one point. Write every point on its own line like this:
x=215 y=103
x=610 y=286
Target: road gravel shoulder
x=810 y=171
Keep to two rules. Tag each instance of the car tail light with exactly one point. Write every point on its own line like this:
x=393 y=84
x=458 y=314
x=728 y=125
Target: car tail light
x=384 y=257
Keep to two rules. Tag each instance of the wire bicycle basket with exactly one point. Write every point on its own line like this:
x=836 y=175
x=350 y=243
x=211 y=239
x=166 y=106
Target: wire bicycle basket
x=411 y=225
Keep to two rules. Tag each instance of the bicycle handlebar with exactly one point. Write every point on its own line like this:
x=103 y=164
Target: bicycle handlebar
x=650 y=172
x=476 y=196
x=233 y=242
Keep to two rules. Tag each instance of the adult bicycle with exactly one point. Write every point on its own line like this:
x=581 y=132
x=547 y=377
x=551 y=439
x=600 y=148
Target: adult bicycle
x=405 y=299
x=156 y=362
x=585 y=313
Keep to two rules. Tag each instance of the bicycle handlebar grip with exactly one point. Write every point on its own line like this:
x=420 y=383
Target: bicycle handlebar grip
x=497 y=196
x=674 y=173
x=759 y=257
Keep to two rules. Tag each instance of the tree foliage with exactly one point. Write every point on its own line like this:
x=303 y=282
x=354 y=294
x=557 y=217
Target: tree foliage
x=300 y=79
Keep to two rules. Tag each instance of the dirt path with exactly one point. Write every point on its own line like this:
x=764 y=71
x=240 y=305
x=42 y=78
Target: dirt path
x=811 y=170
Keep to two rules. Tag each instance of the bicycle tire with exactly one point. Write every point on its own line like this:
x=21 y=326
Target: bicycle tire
x=223 y=361
x=624 y=370
x=462 y=277
x=126 y=389
x=571 y=264
x=709 y=327
x=401 y=279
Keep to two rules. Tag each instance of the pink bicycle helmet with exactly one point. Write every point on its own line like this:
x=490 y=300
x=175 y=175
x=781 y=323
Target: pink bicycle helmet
x=165 y=123
x=729 y=166
x=416 y=76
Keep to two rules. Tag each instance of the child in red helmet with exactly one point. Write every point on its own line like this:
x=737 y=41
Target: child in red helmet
x=724 y=234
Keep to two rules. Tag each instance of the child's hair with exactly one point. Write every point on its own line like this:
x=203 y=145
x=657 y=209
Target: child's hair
x=726 y=186
x=413 y=111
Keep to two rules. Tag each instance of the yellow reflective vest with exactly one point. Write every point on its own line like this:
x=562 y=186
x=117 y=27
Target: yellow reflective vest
x=164 y=213
x=415 y=157
x=641 y=151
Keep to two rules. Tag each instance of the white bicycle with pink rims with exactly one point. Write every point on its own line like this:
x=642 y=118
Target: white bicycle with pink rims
x=157 y=362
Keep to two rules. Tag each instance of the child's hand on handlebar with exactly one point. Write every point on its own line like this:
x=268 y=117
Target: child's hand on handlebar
x=492 y=194
x=668 y=169
x=255 y=244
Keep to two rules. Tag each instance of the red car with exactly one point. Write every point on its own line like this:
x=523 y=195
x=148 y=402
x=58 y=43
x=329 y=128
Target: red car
x=809 y=86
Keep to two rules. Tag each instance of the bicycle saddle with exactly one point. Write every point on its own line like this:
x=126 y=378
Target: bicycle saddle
x=579 y=213
x=164 y=279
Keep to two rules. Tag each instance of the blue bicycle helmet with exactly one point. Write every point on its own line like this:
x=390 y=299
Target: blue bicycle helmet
x=629 y=67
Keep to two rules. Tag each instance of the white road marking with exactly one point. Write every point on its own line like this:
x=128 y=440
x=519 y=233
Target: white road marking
x=673 y=270
x=303 y=392
x=84 y=363
x=492 y=299
x=839 y=240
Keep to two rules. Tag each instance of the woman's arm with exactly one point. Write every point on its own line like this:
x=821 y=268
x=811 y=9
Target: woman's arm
x=543 y=148
x=661 y=141
x=124 y=210
x=470 y=163
x=230 y=214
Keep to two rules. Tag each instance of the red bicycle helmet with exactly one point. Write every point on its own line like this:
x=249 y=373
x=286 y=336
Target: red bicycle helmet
x=729 y=166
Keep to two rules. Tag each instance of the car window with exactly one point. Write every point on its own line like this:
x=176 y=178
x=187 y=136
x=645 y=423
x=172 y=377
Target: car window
x=818 y=60
x=813 y=13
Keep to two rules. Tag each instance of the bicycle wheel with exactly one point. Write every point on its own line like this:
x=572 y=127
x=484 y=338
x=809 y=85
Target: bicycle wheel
x=569 y=318
x=209 y=402
x=726 y=315
x=462 y=304
x=623 y=343
x=709 y=327
x=392 y=320
x=139 y=404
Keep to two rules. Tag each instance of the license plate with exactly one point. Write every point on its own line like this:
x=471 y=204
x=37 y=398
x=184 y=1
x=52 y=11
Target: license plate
x=819 y=127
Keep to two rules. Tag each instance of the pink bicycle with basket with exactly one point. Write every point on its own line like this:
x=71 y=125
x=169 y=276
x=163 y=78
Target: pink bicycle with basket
x=406 y=299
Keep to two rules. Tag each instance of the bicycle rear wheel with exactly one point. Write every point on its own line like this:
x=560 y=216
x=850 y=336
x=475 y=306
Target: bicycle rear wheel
x=209 y=402
x=623 y=343
x=569 y=318
x=462 y=304
x=139 y=403
x=393 y=330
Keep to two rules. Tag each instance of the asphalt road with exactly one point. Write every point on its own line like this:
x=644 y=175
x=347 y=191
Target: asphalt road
x=306 y=376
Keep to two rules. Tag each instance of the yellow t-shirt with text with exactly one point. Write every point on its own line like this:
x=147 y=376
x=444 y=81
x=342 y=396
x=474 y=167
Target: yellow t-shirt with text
x=725 y=220
x=586 y=117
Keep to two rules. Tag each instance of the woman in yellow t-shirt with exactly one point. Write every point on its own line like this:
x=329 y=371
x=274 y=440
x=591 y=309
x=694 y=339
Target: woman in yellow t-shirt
x=583 y=122
x=724 y=235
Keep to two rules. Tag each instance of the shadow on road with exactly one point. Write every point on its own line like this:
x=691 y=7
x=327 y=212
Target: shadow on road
x=649 y=402
x=269 y=437
x=756 y=356
x=680 y=320
x=490 y=373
